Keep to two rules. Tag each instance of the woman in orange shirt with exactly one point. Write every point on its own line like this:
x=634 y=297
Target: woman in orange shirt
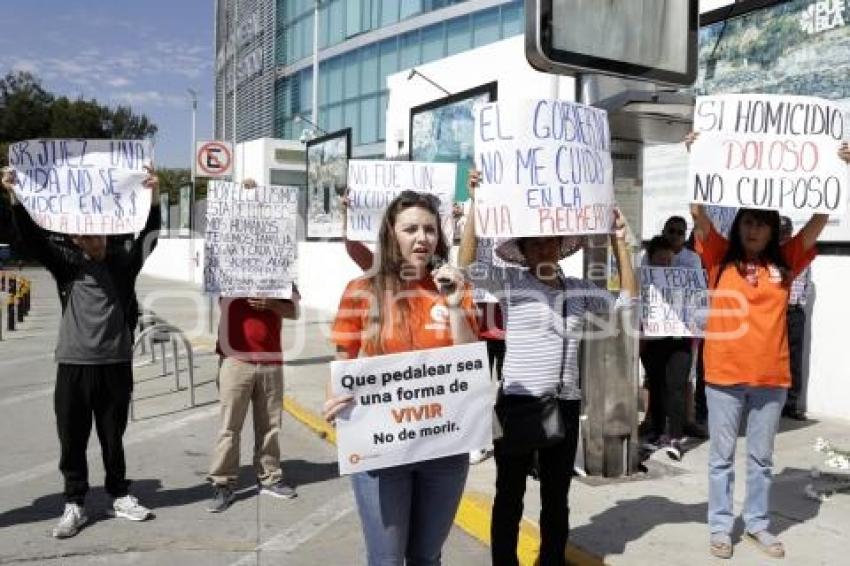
x=403 y=304
x=746 y=357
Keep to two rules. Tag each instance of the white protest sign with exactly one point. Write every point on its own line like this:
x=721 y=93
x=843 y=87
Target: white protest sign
x=413 y=406
x=769 y=151
x=674 y=301
x=77 y=186
x=249 y=247
x=545 y=169
x=374 y=184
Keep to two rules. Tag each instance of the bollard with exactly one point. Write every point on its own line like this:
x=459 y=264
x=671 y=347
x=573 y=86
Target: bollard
x=22 y=287
x=11 y=305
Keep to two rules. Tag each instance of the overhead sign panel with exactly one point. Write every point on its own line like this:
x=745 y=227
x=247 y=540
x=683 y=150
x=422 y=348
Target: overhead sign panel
x=652 y=40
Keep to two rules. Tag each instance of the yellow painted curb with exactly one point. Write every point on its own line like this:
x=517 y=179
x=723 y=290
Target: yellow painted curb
x=474 y=511
x=308 y=418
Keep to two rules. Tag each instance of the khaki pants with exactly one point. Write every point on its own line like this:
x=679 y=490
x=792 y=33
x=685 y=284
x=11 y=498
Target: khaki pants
x=261 y=385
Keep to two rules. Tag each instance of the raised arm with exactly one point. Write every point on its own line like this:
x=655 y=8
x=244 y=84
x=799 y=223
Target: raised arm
x=702 y=222
x=468 y=243
x=148 y=237
x=33 y=238
x=628 y=281
x=357 y=251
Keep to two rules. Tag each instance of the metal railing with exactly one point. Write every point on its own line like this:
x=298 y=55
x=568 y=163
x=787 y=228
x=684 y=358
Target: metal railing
x=163 y=333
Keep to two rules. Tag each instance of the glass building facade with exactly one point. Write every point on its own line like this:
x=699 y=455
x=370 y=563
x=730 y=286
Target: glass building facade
x=361 y=42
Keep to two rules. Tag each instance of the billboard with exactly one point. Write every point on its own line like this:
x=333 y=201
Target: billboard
x=327 y=171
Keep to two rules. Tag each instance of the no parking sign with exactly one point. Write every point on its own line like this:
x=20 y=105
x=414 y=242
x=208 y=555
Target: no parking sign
x=214 y=159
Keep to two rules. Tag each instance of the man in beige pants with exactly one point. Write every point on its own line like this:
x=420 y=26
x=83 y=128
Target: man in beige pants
x=251 y=372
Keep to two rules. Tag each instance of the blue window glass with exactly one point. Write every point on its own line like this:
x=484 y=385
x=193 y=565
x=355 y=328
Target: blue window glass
x=351 y=118
x=433 y=43
x=512 y=20
x=389 y=12
x=324 y=26
x=410 y=50
x=306 y=37
x=410 y=8
x=458 y=36
x=335 y=118
x=353 y=17
x=351 y=74
x=374 y=13
x=336 y=22
x=305 y=79
x=485 y=27
x=369 y=119
x=388 y=62
x=335 y=79
x=382 y=115
x=369 y=69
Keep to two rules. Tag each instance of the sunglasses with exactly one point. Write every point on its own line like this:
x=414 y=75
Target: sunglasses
x=677 y=231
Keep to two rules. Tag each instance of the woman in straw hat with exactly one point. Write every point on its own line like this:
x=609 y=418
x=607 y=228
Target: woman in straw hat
x=544 y=312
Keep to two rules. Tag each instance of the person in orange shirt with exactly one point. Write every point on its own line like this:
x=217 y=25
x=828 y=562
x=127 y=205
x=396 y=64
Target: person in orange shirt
x=405 y=304
x=747 y=367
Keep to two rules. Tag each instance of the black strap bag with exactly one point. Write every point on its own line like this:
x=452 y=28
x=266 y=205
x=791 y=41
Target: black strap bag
x=527 y=422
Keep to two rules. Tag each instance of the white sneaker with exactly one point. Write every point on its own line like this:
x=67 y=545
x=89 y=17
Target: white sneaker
x=128 y=507
x=71 y=522
x=478 y=456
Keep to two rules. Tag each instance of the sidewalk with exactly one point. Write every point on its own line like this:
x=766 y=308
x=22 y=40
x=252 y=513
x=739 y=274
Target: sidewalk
x=656 y=518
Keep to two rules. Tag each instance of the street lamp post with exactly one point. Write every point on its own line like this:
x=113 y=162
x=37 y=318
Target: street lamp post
x=194 y=94
x=315 y=99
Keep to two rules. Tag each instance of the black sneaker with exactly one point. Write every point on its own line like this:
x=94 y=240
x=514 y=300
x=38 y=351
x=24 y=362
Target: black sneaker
x=279 y=490
x=675 y=449
x=222 y=498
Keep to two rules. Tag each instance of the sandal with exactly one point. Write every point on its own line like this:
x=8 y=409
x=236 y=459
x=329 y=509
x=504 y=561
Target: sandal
x=767 y=543
x=720 y=545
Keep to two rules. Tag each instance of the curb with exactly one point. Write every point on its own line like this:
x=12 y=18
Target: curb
x=474 y=511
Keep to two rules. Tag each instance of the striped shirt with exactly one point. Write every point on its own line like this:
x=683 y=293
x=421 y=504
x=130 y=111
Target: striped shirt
x=540 y=339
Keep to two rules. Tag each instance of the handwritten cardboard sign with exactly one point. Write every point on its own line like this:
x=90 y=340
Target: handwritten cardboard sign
x=769 y=151
x=250 y=248
x=374 y=184
x=546 y=169
x=78 y=186
x=674 y=301
x=413 y=406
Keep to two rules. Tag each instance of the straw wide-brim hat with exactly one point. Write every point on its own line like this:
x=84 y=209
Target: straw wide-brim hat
x=510 y=251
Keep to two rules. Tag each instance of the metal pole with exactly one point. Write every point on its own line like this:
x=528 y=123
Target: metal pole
x=315 y=102
x=192 y=154
x=235 y=53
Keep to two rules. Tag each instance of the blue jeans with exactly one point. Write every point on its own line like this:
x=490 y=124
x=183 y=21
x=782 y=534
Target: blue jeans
x=726 y=405
x=407 y=511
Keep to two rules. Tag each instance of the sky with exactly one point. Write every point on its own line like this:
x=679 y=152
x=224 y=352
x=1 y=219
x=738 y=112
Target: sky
x=142 y=54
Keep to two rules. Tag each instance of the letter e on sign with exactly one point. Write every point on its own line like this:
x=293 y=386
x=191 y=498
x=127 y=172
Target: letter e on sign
x=214 y=159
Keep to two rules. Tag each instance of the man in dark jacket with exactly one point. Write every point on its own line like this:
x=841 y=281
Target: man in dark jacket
x=94 y=375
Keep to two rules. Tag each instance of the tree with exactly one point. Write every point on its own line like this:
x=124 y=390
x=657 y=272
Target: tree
x=27 y=111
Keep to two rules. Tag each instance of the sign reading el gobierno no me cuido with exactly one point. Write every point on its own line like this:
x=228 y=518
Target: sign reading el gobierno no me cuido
x=546 y=169
x=80 y=186
x=769 y=151
x=413 y=406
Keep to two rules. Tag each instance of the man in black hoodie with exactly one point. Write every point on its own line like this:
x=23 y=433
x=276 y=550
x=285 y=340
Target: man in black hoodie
x=94 y=377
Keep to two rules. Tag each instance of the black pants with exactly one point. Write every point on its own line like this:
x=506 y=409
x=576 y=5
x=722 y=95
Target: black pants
x=700 y=404
x=556 y=469
x=796 y=336
x=82 y=391
x=667 y=362
x=496 y=355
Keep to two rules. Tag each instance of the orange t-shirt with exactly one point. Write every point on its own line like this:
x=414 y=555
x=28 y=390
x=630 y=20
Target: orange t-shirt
x=427 y=327
x=748 y=344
